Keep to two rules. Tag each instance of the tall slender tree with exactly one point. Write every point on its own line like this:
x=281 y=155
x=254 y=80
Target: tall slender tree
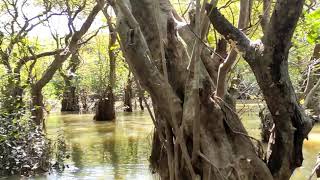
x=105 y=110
x=73 y=42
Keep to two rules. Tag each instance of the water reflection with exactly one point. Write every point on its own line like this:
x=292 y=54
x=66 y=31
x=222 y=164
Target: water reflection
x=120 y=150
x=311 y=147
x=104 y=150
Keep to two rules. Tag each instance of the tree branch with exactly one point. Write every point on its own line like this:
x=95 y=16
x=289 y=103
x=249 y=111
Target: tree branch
x=282 y=24
x=231 y=33
x=311 y=94
x=226 y=66
x=71 y=48
x=37 y=56
x=265 y=17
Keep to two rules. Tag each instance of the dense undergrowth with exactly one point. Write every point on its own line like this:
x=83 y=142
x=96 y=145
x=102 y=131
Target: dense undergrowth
x=25 y=150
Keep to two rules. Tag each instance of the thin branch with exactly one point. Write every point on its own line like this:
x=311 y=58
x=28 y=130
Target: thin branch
x=25 y=59
x=92 y=36
x=71 y=48
x=311 y=94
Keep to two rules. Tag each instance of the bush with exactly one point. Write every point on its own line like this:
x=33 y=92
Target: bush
x=24 y=149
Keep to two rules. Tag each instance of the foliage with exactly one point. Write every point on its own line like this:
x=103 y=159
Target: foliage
x=24 y=149
x=313 y=24
x=59 y=153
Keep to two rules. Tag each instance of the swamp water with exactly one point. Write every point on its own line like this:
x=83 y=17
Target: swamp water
x=120 y=150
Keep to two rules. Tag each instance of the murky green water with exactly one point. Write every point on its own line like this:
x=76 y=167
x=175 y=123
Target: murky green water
x=105 y=150
x=120 y=150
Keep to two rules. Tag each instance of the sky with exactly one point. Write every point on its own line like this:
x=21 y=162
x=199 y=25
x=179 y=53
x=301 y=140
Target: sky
x=57 y=23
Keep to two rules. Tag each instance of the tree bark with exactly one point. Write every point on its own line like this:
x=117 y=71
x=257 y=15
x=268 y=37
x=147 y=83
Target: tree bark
x=105 y=107
x=70 y=98
x=37 y=105
x=269 y=63
x=225 y=67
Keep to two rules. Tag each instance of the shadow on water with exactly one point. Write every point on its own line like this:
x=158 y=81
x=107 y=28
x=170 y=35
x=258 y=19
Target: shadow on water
x=120 y=149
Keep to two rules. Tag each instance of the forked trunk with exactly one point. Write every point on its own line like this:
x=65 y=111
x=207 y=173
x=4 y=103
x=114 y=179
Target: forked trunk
x=211 y=144
x=268 y=60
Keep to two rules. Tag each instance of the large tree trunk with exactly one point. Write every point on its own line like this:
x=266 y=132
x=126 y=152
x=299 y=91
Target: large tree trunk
x=70 y=101
x=70 y=98
x=210 y=144
x=105 y=107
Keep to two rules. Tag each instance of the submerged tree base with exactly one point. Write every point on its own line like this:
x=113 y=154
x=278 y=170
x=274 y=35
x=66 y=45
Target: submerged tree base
x=105 y=110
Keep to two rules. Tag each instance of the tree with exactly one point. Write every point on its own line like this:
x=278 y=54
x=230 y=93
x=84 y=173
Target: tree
x=202 y=136
x=268 y=60
x=311 y=100
x=128 y=93
x=73 y=42
x=70 y=99
x=17 y=49
x=105 y=110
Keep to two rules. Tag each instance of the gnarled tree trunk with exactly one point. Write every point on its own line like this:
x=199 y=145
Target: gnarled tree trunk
x=70 y=98
x=269 y=62
x=201 y=135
